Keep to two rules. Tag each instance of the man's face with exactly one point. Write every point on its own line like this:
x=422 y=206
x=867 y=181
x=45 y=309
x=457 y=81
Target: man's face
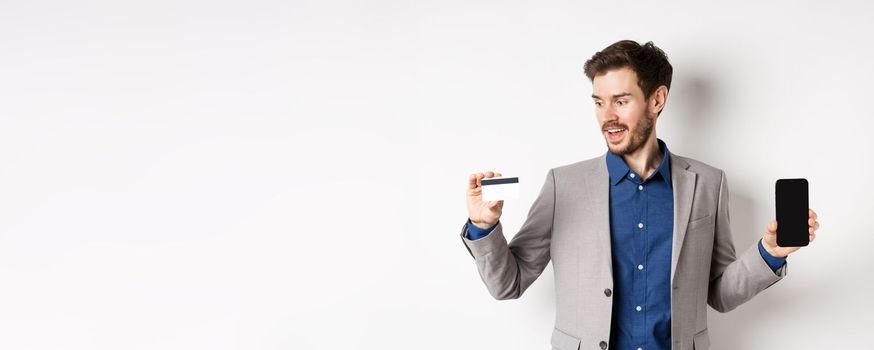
x=620 y=107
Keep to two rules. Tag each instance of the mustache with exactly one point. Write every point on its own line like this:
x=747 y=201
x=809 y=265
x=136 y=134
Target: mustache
x=613 y=125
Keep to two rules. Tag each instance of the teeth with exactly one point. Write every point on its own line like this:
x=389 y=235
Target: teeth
x=613 y=131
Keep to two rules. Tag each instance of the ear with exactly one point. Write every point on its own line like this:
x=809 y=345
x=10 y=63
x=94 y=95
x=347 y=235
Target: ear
x=658 y=99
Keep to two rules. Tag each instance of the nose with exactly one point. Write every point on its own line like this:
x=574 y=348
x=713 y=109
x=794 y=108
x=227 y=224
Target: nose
x=608 y=114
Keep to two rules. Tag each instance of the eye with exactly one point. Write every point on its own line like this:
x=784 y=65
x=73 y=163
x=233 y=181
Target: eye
x=621 y=102
x=598 y=103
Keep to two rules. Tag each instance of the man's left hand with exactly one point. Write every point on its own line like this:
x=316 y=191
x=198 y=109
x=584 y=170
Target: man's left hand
x=769 y=242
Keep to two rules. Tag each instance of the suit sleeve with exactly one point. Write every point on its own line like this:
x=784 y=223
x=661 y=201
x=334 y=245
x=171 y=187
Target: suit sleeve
x=509 y=269
x=735 y=280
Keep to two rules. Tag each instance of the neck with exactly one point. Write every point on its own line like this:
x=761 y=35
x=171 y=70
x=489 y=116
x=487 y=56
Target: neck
x=645 y=159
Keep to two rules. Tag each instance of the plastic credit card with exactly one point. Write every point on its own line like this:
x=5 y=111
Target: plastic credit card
x=500 y=188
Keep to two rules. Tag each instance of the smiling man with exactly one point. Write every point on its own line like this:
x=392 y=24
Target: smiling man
x=639 y=237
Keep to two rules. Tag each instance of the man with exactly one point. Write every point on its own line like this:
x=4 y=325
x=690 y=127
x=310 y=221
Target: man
x=639 y=237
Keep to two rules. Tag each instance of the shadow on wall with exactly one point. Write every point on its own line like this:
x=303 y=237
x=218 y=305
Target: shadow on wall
x=695 y=116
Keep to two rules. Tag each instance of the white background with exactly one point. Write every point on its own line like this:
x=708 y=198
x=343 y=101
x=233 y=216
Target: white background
x=290 y=175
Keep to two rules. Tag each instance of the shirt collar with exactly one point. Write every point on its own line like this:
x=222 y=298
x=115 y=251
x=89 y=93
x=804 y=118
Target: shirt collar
x=617 y=168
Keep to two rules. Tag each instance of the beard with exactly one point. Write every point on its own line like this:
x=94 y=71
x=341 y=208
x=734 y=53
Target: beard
x=637 y=136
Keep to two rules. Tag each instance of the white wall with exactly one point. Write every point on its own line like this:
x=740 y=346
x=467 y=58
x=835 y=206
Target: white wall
x=290 y=175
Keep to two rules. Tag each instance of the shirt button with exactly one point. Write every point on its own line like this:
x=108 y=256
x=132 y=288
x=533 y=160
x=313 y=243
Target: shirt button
x=640 y=225
x=639 y=348
x=640 y=187
x=640 y=267
x=638 y=308
x=631 y=175
x=608 y=292
x=603 y=344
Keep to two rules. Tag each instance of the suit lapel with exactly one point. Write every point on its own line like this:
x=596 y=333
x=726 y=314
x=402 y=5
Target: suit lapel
x=683 y=182
x=596 y=191
x=599 y=187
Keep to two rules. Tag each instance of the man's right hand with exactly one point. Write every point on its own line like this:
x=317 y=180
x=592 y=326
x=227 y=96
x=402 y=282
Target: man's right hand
x=482 y=214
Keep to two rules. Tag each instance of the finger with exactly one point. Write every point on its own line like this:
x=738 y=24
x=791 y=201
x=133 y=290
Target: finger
x=493 y=204
x=811 y=222
x=812 y=237
x=490 y=174
x=816 y=226
x=471 y=182
x=497 y=174
x=479 y=178
x=811 y=213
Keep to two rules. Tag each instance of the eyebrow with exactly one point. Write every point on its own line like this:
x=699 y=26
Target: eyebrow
x=614 y=96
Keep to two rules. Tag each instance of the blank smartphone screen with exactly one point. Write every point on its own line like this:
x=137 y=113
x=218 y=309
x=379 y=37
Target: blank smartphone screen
x=792 y=215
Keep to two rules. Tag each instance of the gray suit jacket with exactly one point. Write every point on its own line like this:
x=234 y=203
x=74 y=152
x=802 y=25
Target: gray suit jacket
x=569 y=223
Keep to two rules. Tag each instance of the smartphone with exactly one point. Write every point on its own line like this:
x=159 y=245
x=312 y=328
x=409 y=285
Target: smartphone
x=792 y=213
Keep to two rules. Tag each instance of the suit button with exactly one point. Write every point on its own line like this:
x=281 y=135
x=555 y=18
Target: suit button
x=608 y=292
x=603 y=345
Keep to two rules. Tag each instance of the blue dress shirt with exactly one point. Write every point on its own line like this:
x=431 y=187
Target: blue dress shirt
x=641 y=230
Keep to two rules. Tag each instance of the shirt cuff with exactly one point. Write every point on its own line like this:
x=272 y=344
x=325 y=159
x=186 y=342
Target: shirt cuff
x=773 y=262
x=475 y=233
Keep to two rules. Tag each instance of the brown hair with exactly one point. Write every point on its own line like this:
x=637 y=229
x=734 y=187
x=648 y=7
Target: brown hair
x=648 y=61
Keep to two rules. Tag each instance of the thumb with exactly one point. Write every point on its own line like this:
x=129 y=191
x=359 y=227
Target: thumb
x=772 y=227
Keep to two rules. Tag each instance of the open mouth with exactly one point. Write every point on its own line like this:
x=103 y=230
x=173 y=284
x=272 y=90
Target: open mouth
x=615 y=133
